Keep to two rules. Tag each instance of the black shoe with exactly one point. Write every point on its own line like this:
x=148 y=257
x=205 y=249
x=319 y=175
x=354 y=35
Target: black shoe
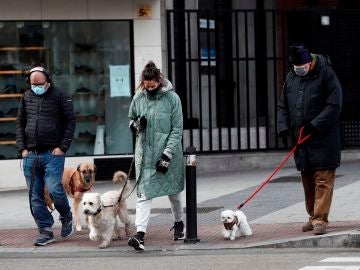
x=83 y=90
x=45 y=237
x=9 y=89
x=11 y=113
x=81 y=47
x=86 y=135
x=178 y=230
x=67 y=228
x=83 y=69
x=137 y=242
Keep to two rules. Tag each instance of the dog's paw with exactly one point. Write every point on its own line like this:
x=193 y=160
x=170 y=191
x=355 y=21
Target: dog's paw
x=93 y=237
x=104 y=244
x=116 y=236
x=232 y=238
x=226 y=234
x=78 y=228
x=128 y=230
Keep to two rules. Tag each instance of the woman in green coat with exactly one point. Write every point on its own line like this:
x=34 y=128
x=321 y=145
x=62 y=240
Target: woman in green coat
x=156 y=118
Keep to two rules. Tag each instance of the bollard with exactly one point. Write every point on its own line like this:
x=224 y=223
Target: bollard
x=191 y=204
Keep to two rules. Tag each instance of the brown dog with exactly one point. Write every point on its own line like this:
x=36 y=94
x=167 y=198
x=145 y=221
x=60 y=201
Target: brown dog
x=76 y=182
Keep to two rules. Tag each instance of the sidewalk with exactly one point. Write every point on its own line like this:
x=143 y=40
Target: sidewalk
x=275 y=214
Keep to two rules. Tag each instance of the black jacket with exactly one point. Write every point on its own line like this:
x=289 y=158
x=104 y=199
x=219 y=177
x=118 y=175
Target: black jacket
x=45 y=122
x=317 y=99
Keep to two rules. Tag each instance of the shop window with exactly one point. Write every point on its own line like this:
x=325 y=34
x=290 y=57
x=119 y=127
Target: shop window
x=90 y=60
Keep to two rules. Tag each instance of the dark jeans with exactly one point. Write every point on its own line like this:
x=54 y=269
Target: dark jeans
x=48 y=171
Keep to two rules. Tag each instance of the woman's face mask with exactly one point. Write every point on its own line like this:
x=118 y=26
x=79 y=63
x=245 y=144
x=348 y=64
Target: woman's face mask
x=152 y=87
x=302 y=70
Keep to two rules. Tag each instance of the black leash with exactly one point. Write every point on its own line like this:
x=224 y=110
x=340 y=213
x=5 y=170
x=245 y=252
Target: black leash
x=123 y=188
x=126 y=181
x=127 y=177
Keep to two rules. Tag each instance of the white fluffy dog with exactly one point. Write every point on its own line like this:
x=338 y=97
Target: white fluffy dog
x=104 y=211
x=235 y=224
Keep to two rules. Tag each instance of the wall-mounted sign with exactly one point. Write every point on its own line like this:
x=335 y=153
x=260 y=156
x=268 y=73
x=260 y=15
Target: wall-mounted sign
x=120 y=81
x=144 y=11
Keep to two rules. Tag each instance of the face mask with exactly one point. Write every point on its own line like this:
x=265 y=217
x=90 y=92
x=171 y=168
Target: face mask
x=301 y=70
x=38 y=89
x=152 y=92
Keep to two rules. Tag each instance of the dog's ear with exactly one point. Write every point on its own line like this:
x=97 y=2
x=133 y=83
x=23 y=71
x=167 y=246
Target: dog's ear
x=78 y=168
x=94 y=169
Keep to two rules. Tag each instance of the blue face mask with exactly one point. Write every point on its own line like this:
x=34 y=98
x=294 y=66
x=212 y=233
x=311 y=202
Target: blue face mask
x=38 y=89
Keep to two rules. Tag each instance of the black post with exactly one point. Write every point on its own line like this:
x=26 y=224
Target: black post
x=191 y=204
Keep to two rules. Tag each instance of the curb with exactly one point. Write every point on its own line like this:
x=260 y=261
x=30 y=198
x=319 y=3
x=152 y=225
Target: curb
x=347 y=239
x=350 y=239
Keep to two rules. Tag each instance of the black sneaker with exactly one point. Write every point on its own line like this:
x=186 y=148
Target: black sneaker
x=67 y=228
x=45 y=237
x=137 y=242
x=178 y=230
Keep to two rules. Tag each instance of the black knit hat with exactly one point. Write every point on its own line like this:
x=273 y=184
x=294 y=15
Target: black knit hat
x=299 y=54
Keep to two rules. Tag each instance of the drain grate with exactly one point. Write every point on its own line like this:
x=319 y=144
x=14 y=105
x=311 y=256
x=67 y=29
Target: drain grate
x=200 y=210
x=286 y=179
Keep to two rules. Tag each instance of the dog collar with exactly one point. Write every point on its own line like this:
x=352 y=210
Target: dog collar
x=229 y=225
x=75 y=188
x=97 y=211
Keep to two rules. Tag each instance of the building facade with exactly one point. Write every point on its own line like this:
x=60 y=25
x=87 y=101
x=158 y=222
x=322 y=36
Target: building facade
x=95 y=50
x=226 y=59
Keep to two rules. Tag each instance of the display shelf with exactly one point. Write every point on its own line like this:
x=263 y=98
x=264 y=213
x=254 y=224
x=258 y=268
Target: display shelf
x=84 y=140
x=80 y=94
x=7 y=142
x=7 y=119
x=80 y=117
x=29 y=48
x=5 y=96
x=13 y=72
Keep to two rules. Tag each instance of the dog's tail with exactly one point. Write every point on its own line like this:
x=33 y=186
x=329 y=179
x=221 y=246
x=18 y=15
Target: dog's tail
x=120 y=178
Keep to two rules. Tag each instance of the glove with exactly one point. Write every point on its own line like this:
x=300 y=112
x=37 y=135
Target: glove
x=308 y=129
x=284 y=137
x=163 y=163
x=143 y=122
x=139 y=125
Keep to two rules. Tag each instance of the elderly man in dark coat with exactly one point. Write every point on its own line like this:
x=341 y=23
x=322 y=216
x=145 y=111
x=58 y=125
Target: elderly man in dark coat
x=312 y=99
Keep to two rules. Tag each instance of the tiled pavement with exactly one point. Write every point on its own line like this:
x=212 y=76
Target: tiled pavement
x=161 y=236
x=275 y=214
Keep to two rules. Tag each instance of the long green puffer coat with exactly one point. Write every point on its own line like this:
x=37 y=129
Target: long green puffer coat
x=163 y=134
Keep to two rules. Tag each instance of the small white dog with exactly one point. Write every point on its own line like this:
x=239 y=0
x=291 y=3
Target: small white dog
x=235 y=224
x=104 y=211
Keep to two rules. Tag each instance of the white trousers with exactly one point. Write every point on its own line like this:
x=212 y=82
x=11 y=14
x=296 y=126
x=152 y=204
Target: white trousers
x=143 y=209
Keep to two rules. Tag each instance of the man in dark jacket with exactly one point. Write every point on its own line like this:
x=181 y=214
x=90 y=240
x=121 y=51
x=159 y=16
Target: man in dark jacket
x=312 y=100
x=44 y=130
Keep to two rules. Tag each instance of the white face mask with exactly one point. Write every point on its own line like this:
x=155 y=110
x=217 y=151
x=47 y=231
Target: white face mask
x=302 y=70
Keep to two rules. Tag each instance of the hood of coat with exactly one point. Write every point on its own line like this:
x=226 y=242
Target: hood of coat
x=166 y=86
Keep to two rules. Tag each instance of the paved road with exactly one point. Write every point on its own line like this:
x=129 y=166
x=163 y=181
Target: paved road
x=252 y=259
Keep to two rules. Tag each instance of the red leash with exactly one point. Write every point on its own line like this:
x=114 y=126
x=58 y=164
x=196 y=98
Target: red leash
x=300 y=141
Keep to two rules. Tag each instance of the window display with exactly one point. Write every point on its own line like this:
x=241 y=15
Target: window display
x=79 y=55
